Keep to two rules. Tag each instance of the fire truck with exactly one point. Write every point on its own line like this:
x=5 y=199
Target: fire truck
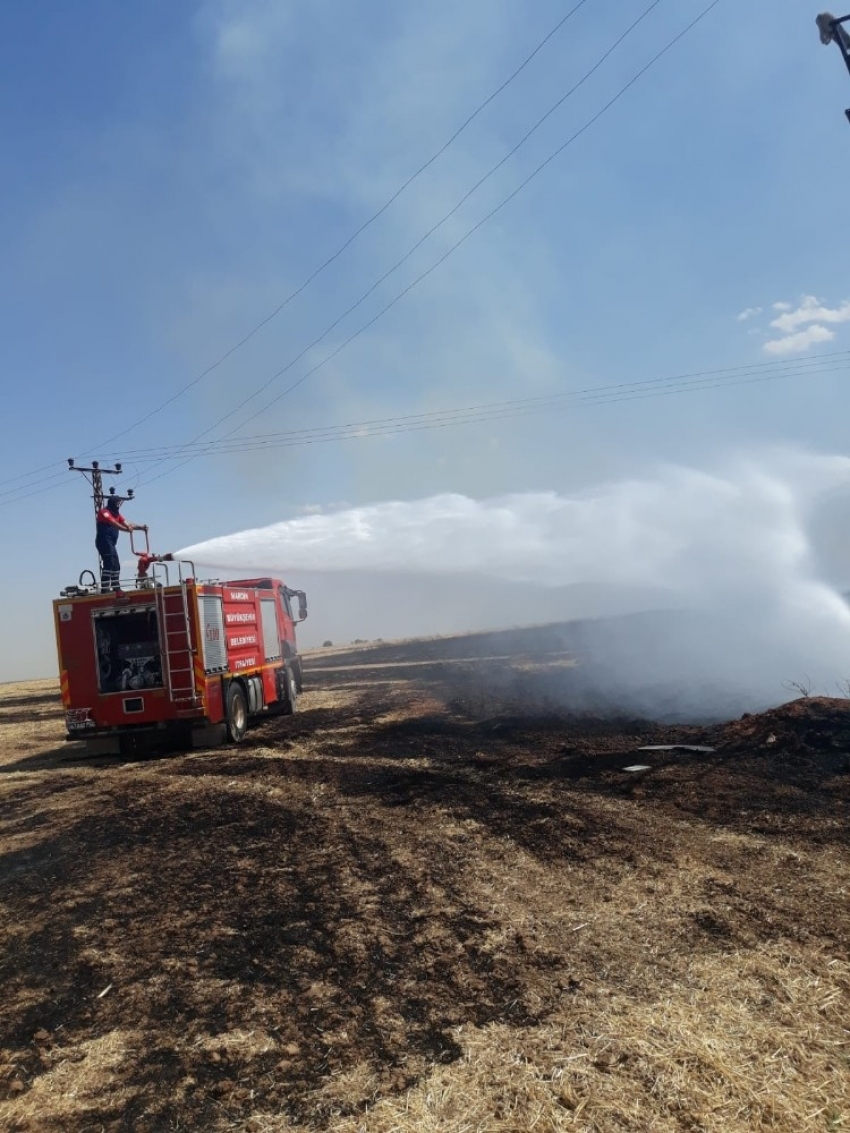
x=169 y=660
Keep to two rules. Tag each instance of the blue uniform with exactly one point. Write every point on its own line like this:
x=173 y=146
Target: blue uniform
x=106 y=542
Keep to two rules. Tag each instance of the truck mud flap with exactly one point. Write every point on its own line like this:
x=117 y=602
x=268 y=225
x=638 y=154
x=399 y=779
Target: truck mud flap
x=209 y=735
x=103 y=745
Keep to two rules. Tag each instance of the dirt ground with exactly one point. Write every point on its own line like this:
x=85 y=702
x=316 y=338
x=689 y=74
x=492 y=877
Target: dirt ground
x=432 y=900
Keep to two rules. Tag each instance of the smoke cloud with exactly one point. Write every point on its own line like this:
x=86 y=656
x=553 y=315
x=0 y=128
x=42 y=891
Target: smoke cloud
x=730 y=548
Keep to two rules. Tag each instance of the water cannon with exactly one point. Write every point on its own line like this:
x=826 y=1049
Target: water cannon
x=146 y=559
x=832 y=30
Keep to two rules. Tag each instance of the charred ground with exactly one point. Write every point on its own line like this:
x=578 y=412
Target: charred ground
x=433 y=899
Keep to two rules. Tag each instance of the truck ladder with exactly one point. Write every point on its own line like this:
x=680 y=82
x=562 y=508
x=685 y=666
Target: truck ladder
x=178 y=654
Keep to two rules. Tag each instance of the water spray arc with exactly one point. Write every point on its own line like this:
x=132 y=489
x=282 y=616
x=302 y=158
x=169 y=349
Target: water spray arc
x=729 y=548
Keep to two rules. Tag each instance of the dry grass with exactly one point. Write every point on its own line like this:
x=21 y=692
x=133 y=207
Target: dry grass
x=409 y=910
x=681 y=1062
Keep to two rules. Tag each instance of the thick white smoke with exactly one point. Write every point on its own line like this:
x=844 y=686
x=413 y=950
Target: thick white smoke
x=731 y=546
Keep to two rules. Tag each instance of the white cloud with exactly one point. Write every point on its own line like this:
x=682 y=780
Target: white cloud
x=795 y=329
x=811 y=310
x=802 y=340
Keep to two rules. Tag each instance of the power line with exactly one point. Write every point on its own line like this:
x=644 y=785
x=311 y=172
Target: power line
x=814 y=364
x=614 y=393
x=430 y=232
x=449 y=252
x=635 y=395
x=442 y=221
x=32 y=472
x=515 y=192
x=601 y=396
x=53 y=477
x=38 y=492
x=343 y=247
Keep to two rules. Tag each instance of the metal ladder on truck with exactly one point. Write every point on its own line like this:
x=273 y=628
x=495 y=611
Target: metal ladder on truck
x=178 y=653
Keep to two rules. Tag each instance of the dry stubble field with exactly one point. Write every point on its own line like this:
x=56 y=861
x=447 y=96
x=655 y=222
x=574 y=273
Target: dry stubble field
x=430 y=901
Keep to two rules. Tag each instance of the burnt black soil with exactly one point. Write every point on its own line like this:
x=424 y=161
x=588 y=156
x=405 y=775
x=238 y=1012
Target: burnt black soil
x=320 y=888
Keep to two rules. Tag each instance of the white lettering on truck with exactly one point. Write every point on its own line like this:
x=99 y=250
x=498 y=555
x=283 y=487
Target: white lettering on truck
x=248 y=616
x=248 y=639
x=245 y=663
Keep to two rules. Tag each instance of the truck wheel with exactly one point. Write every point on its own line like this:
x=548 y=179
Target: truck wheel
x=289 y=703
x=237 y=713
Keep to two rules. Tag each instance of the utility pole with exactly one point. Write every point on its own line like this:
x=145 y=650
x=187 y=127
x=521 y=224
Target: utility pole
x=95 y=475
x=832 y=30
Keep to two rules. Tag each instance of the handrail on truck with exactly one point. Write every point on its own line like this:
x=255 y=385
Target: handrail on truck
x=147 y=547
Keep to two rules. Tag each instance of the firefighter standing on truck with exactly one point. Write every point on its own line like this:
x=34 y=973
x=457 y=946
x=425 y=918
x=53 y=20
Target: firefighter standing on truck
x=110 y=523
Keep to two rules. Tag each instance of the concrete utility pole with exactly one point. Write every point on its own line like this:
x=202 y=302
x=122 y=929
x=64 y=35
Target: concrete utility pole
x=95 y=475
x=832 y=30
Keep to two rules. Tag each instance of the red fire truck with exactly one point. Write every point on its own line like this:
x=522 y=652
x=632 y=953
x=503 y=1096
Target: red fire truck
x=172 y=660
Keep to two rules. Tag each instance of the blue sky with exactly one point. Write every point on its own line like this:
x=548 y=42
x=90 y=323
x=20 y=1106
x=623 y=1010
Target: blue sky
x=174 y=171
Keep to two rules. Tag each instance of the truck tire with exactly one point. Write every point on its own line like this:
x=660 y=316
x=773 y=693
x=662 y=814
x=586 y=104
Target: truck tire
x=289 y=701
x=237 y=713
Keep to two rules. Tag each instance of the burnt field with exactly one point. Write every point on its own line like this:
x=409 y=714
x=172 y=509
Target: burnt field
x=433 y=900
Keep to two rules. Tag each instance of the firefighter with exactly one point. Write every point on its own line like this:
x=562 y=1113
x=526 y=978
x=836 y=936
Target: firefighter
x=110 y=522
